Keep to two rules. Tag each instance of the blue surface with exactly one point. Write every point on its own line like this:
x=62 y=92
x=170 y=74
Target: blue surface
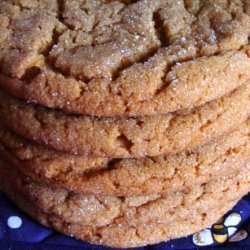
x=19 y=232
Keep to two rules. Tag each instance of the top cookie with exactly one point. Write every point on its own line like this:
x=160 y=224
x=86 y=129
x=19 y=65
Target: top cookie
x=112 y=58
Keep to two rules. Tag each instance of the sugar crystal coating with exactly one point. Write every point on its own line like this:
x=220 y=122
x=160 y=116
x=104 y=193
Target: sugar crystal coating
x=124 y=231
x=126 y=137
x=123 y=57
x=128 y=177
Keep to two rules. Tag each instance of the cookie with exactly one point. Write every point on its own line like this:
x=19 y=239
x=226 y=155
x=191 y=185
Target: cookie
x=116 y=58
x=128 y=177
x=115 y=234
x=141 y=235
x=124 y=236
x=126 y=137
x=107 y=210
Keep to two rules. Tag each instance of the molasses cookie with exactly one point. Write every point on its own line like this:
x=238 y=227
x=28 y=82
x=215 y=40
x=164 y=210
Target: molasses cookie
x=126 y=137
x=116 y=58
x=128 y=177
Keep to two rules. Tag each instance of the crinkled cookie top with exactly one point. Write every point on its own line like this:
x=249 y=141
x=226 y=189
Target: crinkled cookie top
x=123 y=57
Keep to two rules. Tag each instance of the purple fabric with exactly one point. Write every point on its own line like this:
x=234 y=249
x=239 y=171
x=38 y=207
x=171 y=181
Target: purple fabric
x=19 y=232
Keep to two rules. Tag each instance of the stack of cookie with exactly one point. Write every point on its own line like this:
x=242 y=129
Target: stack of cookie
x=125 y=123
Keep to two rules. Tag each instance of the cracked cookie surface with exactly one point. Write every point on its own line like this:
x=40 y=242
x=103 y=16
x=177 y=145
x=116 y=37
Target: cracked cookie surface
x=115 y=58
x=128 y=177
x=126 y=137
x=105 y=210
x=66 y=213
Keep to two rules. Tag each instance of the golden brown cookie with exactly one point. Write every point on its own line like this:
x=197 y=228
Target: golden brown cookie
x=126 y=137
x=131 y=58
x=223 y=194
x=124 y=236
x=128 y=177
x=102 y=211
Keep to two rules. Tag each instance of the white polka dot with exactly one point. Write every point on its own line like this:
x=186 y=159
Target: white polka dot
x=14 y=222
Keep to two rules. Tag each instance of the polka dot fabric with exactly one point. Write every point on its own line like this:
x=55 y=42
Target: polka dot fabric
x=19 y=232
x=14 y=222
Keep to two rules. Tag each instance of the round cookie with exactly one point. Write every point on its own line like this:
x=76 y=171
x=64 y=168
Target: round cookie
x=139 y=235
x=102 y=211
x=115 y=58
x=117 y=235
x=128 y=177
x=126 y=236
x=126 y=137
